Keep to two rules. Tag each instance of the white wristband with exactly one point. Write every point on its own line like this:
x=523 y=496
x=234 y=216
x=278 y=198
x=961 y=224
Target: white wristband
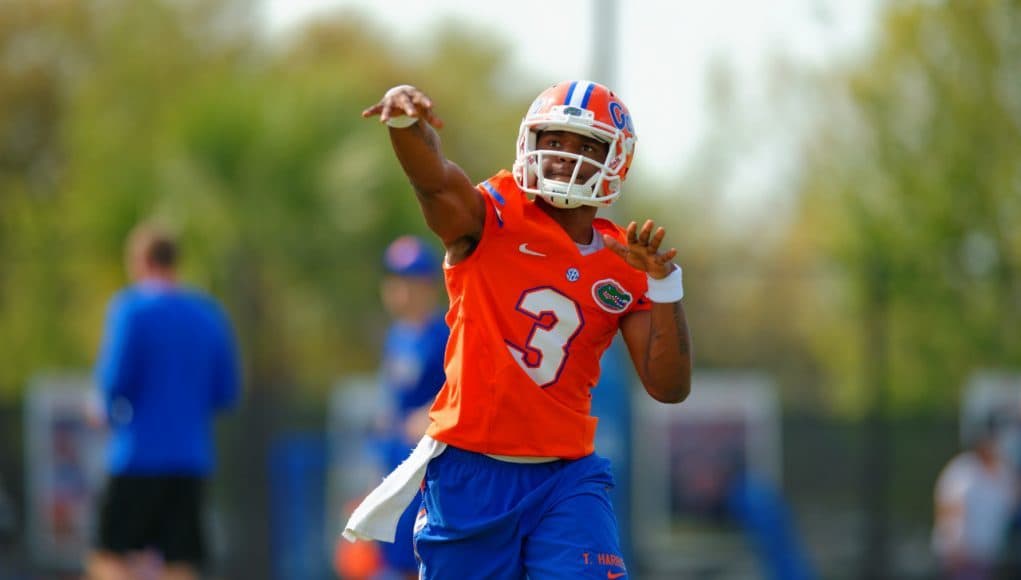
x=669 y=289
x=401 y=122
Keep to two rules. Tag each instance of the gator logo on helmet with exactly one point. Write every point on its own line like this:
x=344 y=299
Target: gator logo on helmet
x=611 y=296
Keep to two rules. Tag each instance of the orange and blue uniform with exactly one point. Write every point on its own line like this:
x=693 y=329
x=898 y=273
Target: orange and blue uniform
x=530 y=317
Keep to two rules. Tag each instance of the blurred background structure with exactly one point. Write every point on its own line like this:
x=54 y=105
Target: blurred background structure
x=849 y=223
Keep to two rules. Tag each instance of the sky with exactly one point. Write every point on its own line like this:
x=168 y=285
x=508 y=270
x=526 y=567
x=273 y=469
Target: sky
x=664 y=49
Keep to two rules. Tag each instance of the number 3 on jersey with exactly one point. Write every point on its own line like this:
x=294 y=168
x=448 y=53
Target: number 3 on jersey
x=557 y=320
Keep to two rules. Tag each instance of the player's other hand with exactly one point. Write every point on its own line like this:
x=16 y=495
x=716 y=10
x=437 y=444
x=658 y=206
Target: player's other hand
x=642 y=250
x=404 y=101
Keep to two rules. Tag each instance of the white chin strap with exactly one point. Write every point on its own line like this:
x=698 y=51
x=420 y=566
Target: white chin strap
x=566 y=195
x=561 y=202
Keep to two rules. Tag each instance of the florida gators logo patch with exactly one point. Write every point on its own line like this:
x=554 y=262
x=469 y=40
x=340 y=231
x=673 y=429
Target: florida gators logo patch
x=611 y=296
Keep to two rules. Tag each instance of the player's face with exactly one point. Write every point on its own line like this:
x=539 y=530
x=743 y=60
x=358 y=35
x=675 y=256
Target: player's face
x=561 y=168
x=408 y=297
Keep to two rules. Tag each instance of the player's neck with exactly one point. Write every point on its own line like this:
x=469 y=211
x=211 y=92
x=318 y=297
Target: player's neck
x=577 y=222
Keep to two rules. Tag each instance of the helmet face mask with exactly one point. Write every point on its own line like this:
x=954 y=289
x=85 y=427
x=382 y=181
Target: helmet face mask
x=590 y=110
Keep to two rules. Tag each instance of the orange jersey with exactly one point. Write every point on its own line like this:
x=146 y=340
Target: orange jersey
x=530 y=318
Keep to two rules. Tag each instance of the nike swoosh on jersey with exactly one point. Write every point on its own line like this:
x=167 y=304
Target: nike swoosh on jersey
x=523 y=248
x=612 y=575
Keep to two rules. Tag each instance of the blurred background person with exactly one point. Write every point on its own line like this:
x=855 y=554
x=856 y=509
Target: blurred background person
x=768 y=521
x=976 y=498
x=410 y=374
x=166 y=367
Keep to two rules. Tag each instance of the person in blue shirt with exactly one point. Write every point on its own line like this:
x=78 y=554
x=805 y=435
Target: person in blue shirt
x=411 y=371
x=167 y=365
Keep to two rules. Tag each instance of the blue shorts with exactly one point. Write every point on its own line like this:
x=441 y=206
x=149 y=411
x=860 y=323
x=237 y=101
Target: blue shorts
x=485 y=518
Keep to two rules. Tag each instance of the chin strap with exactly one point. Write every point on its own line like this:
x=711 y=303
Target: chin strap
x=561 y=202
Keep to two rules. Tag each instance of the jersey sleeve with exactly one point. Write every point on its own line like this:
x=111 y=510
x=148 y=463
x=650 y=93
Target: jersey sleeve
x=642 y=304
x=503 y=202
x=503 y=210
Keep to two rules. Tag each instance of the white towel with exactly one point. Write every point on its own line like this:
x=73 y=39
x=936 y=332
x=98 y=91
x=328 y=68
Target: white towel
x=376 y=517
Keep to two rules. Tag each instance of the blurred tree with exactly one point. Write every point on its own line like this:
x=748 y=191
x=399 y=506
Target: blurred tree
x=913 y=181
x=251 y=146
x=37 y=44
x=754 y=285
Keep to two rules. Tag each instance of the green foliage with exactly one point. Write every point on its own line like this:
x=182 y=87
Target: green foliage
x=904 y=214
x=913 y=184
x=253 y=149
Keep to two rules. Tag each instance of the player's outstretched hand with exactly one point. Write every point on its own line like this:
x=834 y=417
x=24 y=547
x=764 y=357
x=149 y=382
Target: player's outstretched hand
x=403 y=101
x=642 y=250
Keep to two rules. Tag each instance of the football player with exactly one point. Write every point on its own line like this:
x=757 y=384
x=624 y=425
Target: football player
x=539 y=286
